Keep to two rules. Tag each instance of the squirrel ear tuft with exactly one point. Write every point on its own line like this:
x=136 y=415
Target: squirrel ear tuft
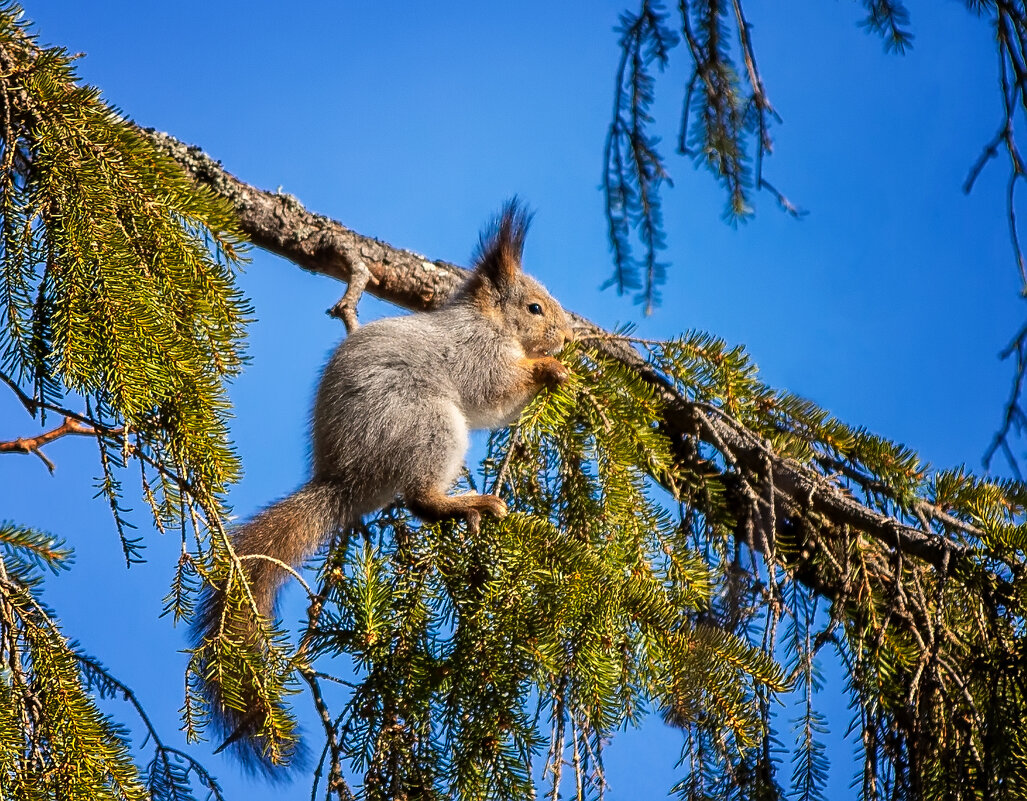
x=498 y=255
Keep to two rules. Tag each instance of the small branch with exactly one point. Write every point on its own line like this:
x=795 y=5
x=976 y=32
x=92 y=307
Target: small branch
x=33 y=444
x=336 y=783
x=786 y=205
x=515 y=436
x=1013 y=420
x=279 y=563
x=989 y=152
x=824 y=497
x=163 y=750
x=26 y=401
x=925 y=510
x=346 y=308
x=99 y=430
x=1009 y=34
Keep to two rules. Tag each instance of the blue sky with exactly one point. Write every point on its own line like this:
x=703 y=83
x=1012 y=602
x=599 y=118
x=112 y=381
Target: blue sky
x=887 y=304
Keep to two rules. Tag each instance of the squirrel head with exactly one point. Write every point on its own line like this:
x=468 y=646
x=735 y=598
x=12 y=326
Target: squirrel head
x=514 y=302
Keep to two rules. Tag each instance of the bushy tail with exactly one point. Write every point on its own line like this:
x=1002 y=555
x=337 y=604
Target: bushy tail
x=240 y=664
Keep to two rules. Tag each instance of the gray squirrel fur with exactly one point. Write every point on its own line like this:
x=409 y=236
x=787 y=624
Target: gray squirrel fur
x=392 y=415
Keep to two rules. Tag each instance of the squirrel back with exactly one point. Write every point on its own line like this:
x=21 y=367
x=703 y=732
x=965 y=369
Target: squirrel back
x=391 y=418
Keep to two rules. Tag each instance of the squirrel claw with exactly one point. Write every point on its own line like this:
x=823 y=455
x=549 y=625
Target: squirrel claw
x=490 y=504
x=551 y=372
x=560 y=376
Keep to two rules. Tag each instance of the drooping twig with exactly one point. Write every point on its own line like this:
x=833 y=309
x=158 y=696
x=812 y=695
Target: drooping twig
x=633 y=170
x=1014 y=420
x=504 y=466
x=764 y=110
x=163 y=750
x=1010 y=36
x=333 y=749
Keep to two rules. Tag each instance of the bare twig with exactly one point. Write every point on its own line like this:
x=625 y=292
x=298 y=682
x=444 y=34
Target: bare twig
x=1010 y=36
x=282 y=565
x=336 y=783
x=163 y=750
x=71 y=425
x=1014 y=421
x=30 y=405
x=504 y=466
x=346 y=307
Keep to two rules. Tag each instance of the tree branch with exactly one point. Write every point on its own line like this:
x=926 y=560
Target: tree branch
x=33 y=444
x=279 y=223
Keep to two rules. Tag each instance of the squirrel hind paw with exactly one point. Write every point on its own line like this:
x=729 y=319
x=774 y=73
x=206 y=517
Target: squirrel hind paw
x=493 y=505
x=434 y=506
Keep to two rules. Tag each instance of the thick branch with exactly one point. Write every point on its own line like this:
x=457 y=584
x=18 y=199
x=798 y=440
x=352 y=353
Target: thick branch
x=807 y=487
x=280 y=224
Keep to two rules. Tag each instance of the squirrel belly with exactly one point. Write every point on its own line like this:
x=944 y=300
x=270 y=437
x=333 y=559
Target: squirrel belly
x=400 y=395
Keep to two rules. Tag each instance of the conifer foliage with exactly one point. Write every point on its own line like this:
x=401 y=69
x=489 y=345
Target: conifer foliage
x=117 y=298
x=726 y=127
x=683 y=539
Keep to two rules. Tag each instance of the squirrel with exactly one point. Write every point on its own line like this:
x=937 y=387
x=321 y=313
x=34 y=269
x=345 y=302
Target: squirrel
x=391 y=418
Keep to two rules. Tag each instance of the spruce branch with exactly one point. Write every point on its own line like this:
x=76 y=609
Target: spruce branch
x=852 y=518
x=407 y=279
x=889 y=19
x=167 y=778
x=117 y=280
x=633 y=170
x=1010 y=32
x=59 y=722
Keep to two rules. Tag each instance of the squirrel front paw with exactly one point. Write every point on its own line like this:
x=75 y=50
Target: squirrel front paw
x=550 y=372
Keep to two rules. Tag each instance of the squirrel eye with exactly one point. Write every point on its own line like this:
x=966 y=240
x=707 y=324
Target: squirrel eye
x=534 y=308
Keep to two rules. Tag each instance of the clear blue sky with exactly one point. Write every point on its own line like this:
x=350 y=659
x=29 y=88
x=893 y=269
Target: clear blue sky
x=412 y=122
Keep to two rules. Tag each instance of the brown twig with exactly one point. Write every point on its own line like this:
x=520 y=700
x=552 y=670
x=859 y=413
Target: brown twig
x=336 y=783
x=99 y=429
x=764 y=110
x=504 y=466
x=30 y=405
x=346 y=307
x=1010 y=24
x=163 y=751
x=34 y=444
